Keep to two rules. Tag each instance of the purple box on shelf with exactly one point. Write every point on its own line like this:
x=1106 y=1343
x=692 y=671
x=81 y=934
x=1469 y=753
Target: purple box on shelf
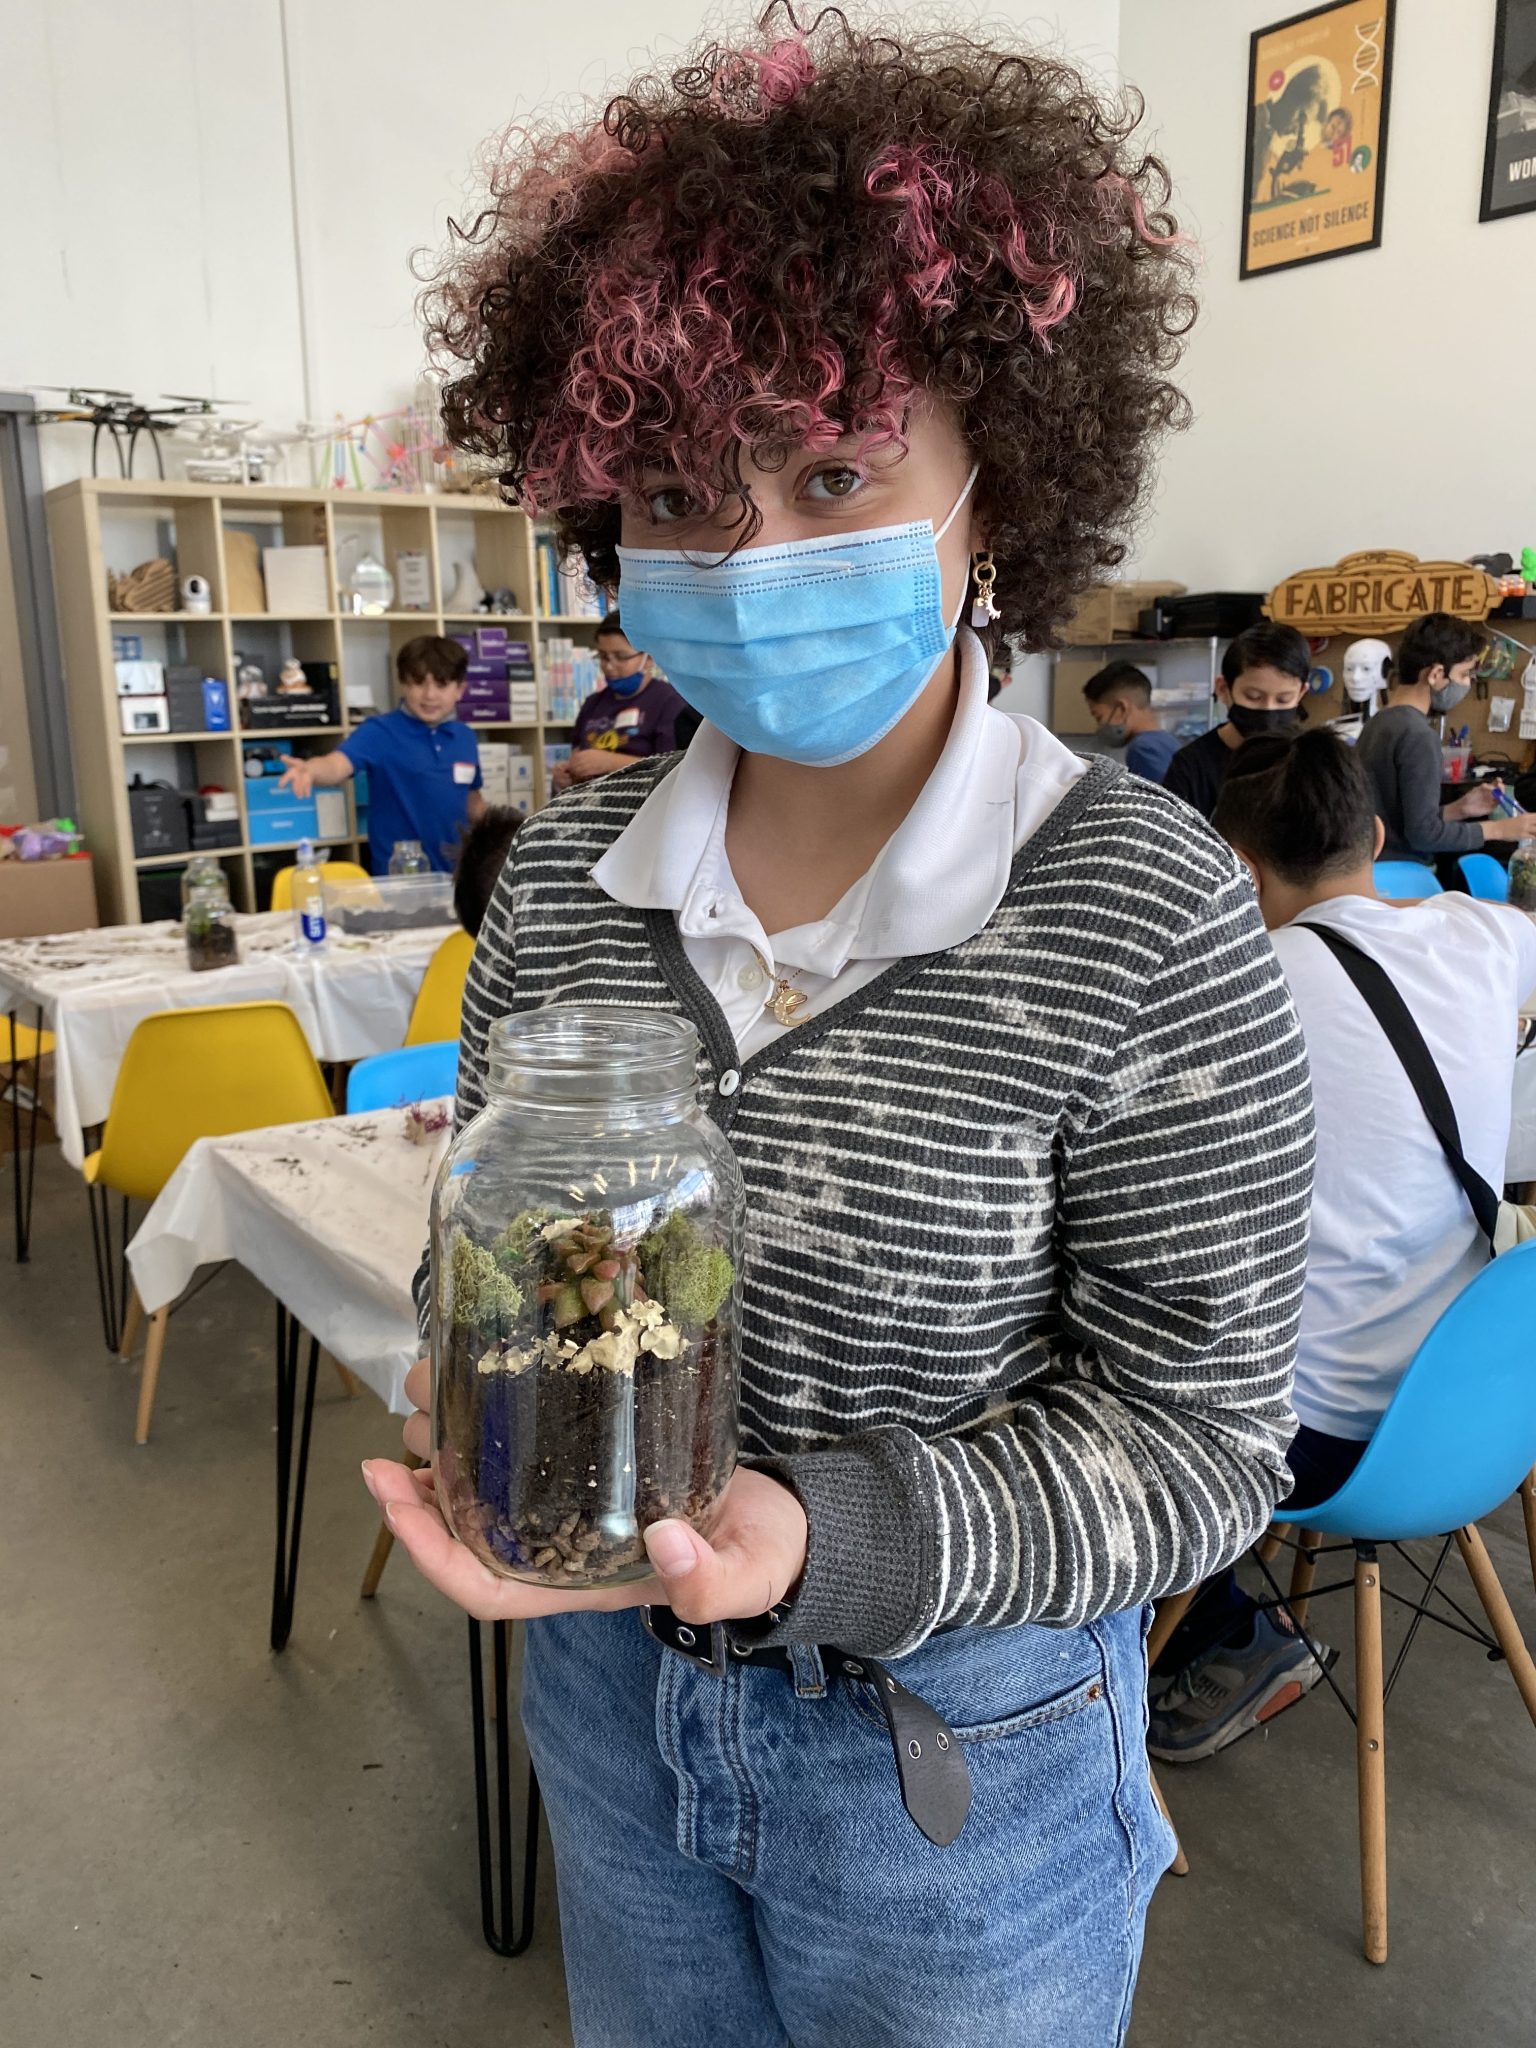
x=485 y=704
x=486 y=672
x=490 y=642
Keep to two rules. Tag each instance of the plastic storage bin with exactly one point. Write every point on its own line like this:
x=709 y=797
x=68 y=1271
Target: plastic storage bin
x=390 y=903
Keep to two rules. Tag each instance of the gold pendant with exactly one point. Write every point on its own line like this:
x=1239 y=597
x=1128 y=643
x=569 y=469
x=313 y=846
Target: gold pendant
x=786 y=1003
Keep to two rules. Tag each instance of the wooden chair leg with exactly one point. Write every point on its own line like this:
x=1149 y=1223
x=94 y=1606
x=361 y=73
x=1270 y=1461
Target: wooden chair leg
x=1474 y=1555
x=384 y=1542
x=1180 y=1863
x=133 y=1316
x=1303 y=1576
x=1371 y=1756
x=1528 y=1509
x=1170 y=1613
x=1274 y=1542
x=351 y=1385
x=154 y=1349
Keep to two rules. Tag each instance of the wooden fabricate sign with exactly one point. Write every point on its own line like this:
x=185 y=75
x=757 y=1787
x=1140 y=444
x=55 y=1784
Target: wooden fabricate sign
x=1379 y=591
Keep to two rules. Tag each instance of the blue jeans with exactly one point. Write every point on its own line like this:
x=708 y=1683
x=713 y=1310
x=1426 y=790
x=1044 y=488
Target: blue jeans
x=736 y=1867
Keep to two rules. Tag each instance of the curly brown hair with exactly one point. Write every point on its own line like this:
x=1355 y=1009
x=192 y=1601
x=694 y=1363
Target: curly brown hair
x=784 y=242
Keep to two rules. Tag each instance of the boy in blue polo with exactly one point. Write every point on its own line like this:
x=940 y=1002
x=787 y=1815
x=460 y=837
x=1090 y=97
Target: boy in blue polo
x=423 y=765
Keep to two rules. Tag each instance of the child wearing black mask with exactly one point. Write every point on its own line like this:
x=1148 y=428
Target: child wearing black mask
x=1400 y=748
x=1263 y=680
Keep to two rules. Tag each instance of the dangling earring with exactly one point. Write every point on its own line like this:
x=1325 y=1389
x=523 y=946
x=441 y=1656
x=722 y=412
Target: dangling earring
x=983 y=606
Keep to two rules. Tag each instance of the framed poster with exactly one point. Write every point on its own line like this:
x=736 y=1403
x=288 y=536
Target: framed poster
x=1509 y=160
x=1318 y=89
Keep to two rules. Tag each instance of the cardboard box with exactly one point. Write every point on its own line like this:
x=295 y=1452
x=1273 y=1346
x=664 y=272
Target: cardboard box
x=40 y=896
x=1107 y=609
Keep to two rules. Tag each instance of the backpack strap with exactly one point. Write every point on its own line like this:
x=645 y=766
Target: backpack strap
x=1380 y=995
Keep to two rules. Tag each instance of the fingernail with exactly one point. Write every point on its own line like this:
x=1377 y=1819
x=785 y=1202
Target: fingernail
x=389 y=1517
x=670 y=1550
x=368 y=1480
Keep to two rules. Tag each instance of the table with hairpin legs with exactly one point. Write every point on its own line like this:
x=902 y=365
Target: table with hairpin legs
x=330 y=1217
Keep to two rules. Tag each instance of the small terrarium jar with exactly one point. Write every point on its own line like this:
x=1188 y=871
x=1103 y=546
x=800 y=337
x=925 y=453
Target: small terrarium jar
x=586 y=1268
x=208 y=925
x=202 y=871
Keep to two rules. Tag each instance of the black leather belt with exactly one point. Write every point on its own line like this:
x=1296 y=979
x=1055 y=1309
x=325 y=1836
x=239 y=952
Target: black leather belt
x=930 y=1764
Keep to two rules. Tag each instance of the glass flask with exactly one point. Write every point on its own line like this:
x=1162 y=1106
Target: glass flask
x=370 y=587
x=587 y=1233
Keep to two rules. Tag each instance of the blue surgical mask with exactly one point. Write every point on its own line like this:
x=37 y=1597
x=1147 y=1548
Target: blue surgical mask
x=629 y=683
x=810 y=650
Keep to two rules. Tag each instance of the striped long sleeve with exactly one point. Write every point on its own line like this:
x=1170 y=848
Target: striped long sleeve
x=1026 y=1219
x=1145 y=1448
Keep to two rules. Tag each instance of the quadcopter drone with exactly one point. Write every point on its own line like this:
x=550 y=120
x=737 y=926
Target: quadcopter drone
x=124 y=417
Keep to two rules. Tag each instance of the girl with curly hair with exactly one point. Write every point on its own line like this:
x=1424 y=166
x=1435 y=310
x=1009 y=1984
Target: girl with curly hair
x=839 y=352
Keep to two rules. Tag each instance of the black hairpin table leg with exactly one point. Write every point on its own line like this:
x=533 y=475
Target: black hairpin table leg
x=498 y=1908
x=290 y=1473
x=24 y=1175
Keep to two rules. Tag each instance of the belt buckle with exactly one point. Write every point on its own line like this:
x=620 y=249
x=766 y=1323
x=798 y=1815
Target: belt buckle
x=700 y=1643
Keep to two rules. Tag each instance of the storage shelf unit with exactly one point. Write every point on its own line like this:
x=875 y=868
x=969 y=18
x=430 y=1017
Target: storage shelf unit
x=104 y=523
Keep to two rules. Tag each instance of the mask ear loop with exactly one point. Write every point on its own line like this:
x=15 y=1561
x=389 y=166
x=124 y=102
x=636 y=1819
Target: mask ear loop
x=965 y=492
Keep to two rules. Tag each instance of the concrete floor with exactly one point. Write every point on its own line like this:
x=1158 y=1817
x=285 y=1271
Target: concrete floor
x=206 y=1845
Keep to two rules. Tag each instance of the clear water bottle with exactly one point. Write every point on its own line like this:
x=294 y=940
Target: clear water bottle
x=309 y=898
x=408 y=858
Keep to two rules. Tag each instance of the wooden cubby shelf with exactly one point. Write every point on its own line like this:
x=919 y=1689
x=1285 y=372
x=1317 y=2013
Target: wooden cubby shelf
x=110 y=523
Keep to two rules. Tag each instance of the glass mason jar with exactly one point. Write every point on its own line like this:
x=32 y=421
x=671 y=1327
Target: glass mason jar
x=208 y=923
x=202 y=871
x=1522 y=875
x=407 y=858
x=587 y=1235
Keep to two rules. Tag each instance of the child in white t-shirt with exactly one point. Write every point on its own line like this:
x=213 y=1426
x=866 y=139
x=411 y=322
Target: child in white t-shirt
x=1393 y=1239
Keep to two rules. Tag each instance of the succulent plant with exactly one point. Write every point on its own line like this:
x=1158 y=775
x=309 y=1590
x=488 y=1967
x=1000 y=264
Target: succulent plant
x=690 y=1277
x=589 y=1274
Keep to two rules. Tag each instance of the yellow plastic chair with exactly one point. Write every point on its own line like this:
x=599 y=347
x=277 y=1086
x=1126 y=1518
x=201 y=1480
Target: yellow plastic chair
x=435 y=1013
x=28 y=1043
x=189 y=1074
x=330 y=871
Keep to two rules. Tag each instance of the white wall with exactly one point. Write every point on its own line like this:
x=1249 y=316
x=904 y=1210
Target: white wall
x=164 y=224
x=1379 y=399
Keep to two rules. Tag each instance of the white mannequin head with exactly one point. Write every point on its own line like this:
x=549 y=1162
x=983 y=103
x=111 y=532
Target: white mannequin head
x=1365 y=669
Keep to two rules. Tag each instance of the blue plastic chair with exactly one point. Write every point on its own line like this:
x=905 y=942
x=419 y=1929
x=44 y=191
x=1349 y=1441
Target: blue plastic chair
x=1485 y=876
x=1457 y=1440
x=415 y=1073
x=1406 y=880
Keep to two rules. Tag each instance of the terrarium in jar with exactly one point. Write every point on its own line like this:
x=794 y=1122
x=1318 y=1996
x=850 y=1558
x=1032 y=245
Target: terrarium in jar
x=208 y=926
x=586 y=1269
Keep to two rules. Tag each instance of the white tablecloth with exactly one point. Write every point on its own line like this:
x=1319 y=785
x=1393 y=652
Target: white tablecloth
x=353 y=999
x=330 y=1216
x=1520 y=1161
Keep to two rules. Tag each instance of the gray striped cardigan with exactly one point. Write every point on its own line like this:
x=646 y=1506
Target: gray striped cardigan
x=1028 y=1218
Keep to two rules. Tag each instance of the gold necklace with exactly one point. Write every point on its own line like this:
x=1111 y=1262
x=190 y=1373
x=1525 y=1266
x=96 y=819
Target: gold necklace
x=784 y=1001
